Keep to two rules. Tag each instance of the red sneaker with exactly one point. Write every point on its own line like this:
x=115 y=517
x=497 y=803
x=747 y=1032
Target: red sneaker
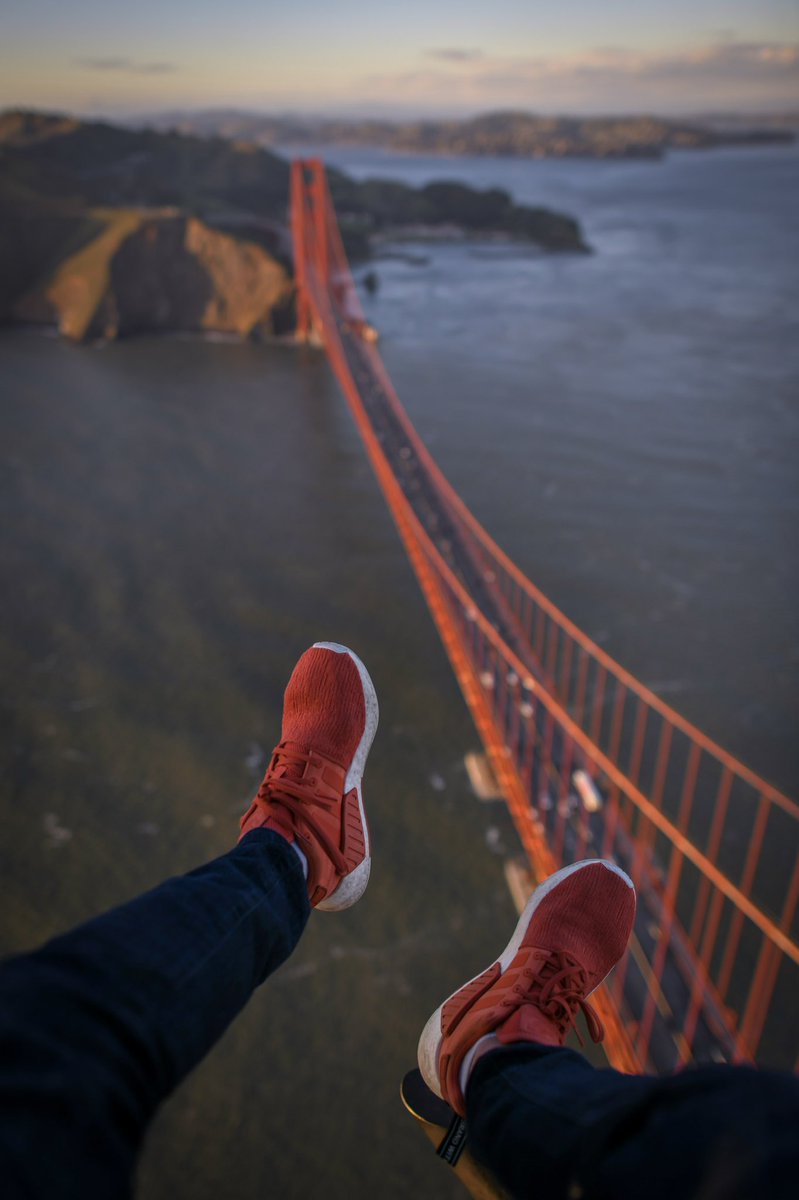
x=311 y=793
x=573 y=931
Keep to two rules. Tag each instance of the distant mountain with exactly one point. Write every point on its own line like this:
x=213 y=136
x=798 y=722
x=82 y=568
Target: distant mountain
x=107 y=230
x=516 y=134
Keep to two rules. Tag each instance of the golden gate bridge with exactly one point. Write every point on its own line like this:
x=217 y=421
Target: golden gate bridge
x=589 y=760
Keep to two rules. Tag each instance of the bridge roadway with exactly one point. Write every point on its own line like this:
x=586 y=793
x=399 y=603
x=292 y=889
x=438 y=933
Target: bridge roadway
x=581 y=833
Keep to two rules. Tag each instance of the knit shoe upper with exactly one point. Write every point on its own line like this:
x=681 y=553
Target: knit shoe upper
x=311 y=793
x=573 y=931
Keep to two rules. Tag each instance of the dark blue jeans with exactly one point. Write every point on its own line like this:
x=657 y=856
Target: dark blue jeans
x=551 y=1127
x=100 y=1025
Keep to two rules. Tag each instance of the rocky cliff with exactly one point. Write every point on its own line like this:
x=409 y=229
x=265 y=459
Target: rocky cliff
x=162 y=272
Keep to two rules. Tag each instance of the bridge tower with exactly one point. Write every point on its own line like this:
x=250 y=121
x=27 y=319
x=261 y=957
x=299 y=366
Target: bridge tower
x=309 y=208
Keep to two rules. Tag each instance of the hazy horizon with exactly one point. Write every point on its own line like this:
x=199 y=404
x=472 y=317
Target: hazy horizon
x=399 y=116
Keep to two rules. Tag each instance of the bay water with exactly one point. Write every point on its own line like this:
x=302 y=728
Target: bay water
x=181 y=517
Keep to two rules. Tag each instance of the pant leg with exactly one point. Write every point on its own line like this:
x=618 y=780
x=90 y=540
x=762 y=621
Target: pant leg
x=100 y=1025
x=548 y=1125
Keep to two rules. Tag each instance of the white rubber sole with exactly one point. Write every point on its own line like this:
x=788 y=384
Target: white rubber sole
x=353 y=886
x=430 y=1041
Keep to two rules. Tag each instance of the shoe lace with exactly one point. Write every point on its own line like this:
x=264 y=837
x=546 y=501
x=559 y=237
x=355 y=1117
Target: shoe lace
x=291 y=791
x=556 y=983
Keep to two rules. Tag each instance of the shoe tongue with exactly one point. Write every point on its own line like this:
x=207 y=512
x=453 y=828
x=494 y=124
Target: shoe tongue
x=528 y=1024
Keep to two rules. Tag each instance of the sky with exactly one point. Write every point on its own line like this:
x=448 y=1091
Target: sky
x=400 y=58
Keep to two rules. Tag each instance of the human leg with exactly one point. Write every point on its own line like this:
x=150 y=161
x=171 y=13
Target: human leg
x=97 y=1027
x=100 y=1025
x=547 y=1123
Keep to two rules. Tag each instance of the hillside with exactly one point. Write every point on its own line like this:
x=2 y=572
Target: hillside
x=94 y=217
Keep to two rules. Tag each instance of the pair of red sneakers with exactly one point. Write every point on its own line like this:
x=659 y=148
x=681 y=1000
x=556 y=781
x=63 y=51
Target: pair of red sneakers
x=573 y=930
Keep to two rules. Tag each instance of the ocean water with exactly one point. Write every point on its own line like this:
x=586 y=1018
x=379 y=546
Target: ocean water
x=182 y=517
x=627 y=425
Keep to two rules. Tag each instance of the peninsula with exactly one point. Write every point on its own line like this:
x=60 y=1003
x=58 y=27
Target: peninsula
x=106 y=231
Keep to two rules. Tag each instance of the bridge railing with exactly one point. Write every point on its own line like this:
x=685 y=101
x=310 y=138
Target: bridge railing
x=593 y=762
x=716 y=969
x=746 y=830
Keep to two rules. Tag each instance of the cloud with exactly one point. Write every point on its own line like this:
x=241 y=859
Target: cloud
x=728 y=61
x=727 y=74
x=126 y=65
x=454 y=54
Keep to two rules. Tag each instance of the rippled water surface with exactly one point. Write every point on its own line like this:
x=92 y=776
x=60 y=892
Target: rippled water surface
x=181 y=518
x=626 y=425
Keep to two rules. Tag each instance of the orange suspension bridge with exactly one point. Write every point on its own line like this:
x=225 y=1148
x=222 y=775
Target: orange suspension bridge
x=591 y=763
